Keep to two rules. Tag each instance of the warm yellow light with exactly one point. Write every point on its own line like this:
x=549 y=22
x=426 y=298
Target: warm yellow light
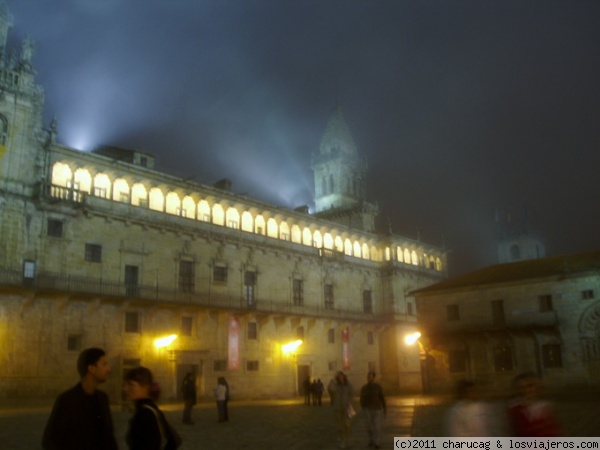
x=165 y=342
x=410 y=339
x=291 y=347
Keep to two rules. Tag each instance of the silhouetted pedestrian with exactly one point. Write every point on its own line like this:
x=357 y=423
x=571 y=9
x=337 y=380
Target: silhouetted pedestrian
x=80 y=418
x=188 y=390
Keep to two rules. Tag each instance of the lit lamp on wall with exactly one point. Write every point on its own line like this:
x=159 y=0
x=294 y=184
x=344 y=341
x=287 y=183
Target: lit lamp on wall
x=164 y=341
x=289 y=349
x=411 y=339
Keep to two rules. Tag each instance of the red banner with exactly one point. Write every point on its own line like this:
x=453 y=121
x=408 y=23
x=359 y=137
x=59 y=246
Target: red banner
x=346 y=348
x=233 y=356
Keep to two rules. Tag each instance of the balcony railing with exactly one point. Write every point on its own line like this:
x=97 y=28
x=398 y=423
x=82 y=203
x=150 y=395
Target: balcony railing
x=96 y=287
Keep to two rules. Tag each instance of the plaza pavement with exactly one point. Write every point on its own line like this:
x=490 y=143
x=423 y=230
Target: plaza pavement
x=288 y=424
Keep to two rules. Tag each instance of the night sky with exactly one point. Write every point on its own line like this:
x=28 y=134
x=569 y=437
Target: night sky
x=467 y=111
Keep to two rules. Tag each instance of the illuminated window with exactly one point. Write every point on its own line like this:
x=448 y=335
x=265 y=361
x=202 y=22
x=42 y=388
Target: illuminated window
x=101 y=192
x=93 y=253
x=232 y=224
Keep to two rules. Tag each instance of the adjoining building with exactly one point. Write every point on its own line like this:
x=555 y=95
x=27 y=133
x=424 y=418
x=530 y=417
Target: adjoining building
x=103 y=249
x=540 y=315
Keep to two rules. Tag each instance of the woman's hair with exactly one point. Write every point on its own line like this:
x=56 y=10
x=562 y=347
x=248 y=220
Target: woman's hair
x=143 y=377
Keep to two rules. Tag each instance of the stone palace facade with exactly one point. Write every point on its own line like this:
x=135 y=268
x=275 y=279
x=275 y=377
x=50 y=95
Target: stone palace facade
x=102 y=249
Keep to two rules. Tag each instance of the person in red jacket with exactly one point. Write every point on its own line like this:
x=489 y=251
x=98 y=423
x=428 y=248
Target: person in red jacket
x=531 y=416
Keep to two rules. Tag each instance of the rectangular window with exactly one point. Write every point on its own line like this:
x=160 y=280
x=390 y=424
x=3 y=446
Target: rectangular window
x=545 y=303
x=220 y=274
x=498 y=312
x=55 y=228
x=371 y=366
x=300 y=333
x=252 y=366
x=186 y=326
x=93 y=253
x=143 y=161
x=503 y=361
x=409 y=309
x=131 y=281
x=124 y=197
x=74 y=342
x=551 y=356
x=132 y=322
x=457 y=361
x=452 y=313
x=332 y=366
x=143 y=202
x=328 y=291
x=233 y=224
x=298 y=292
x=250 y=289
x=219 y=365
x=252 y=330
x=370 y=338
x=187 y=276
x=331 y=336
x=587 y=294
x=367 y=302
x=182 y=212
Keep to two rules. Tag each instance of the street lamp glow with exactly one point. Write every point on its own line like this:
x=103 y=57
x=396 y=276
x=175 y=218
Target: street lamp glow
x=410 y=339
x=165 y=341
x=291 y=347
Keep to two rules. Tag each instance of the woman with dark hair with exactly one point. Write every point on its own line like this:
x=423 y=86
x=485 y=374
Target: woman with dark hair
x=148 y=428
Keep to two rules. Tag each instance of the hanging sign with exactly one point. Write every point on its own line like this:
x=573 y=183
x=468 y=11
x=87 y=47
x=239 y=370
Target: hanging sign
x=233 y=355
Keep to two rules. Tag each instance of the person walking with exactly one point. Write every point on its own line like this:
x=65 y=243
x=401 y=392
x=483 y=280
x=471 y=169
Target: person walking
x=468 y=417
x=188 y=390
x=319 y=388
x=81 y=418
x=342 y=408
x=225 y=406
x=221 y=395
x=372 y=402
x=148 y=428
x=306 y=386
x=530 y=415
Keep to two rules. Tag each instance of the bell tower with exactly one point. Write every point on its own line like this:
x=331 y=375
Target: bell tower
x=21 y=109
x=340 y=178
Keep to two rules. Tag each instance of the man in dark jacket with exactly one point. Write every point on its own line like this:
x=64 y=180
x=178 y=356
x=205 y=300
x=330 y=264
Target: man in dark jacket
x=81 y=418
x=188 y=390
x=372 y=402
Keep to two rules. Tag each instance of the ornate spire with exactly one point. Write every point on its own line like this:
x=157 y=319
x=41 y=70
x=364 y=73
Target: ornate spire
x=337 y=137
